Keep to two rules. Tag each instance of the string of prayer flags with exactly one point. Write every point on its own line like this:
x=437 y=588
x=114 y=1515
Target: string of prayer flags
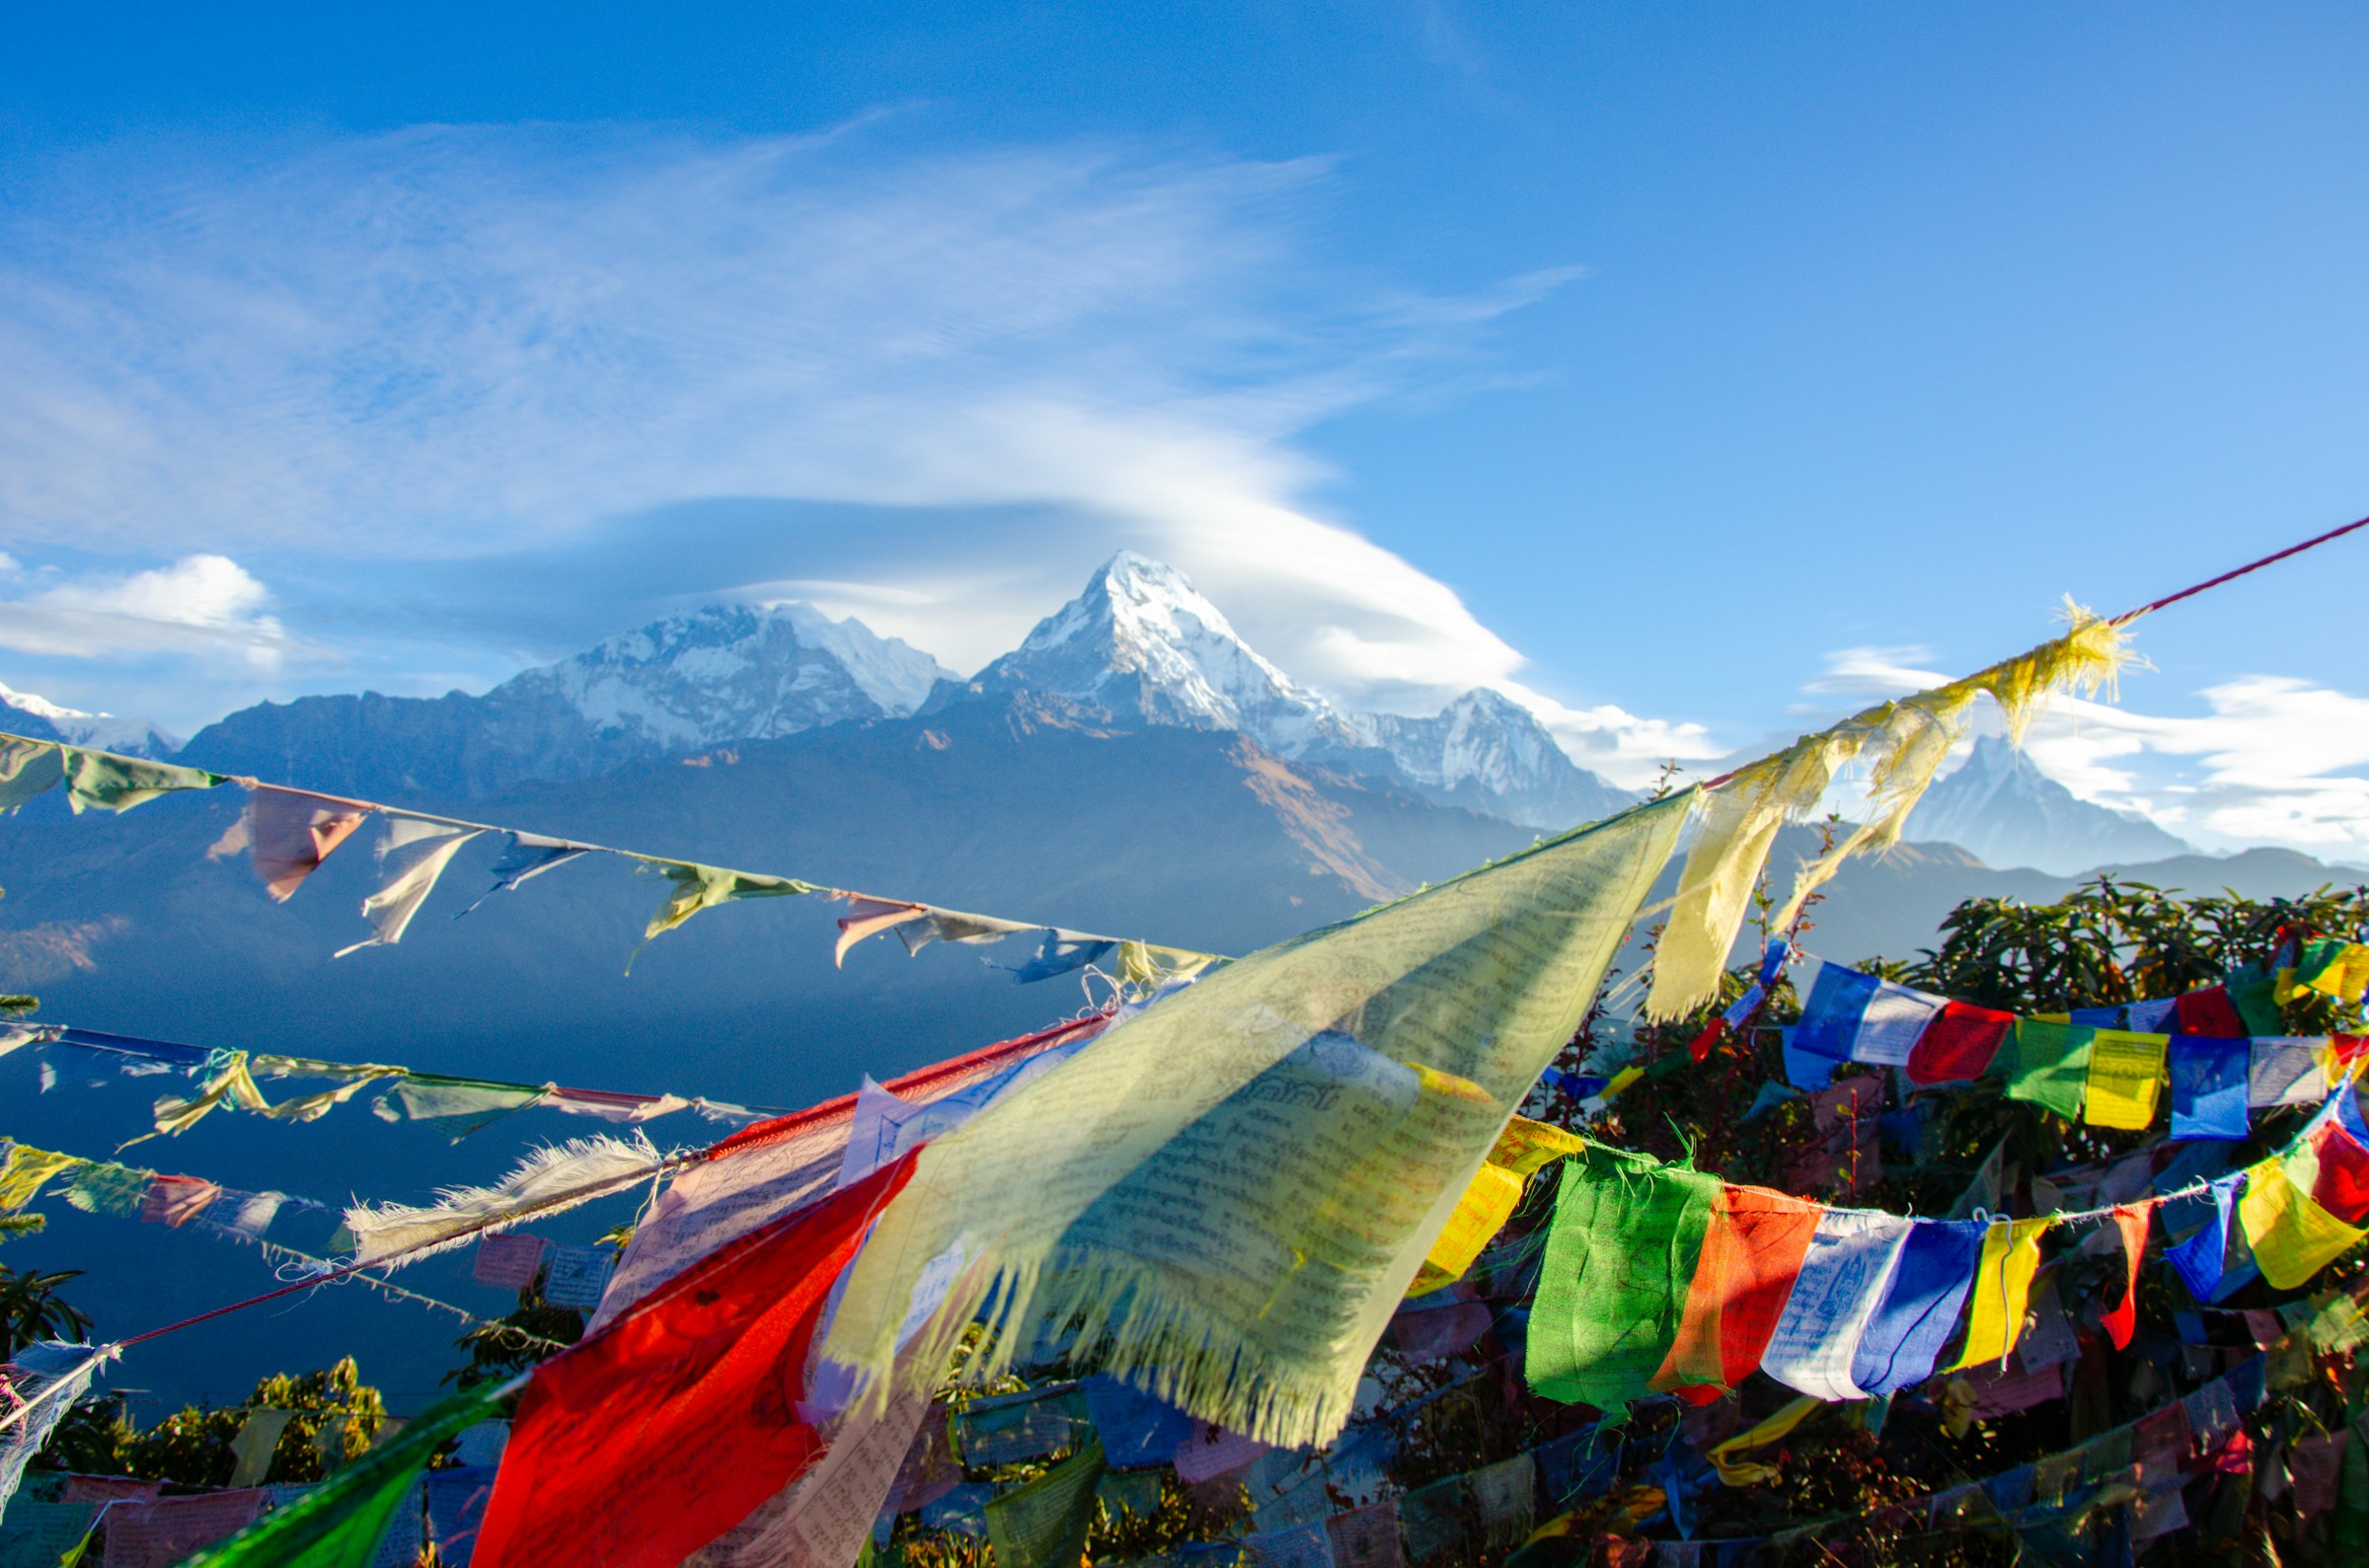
x=341 y=1523
x=916 y=925
x=507 y=1259
x=2101 y=1066
x=1153 y=1206
x=549 y=1181
x=1903 y=743
x=2202 y=1261
x=671 y=1423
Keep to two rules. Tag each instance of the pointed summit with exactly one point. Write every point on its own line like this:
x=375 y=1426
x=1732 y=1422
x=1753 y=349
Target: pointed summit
x=1142 y=641
x=2001 y=808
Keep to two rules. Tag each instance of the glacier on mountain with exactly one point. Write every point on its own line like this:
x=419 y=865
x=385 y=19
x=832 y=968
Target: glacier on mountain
x=134 y=737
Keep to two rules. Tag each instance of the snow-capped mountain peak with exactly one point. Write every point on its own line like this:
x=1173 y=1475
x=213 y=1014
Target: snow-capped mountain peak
x=734 y=672
x=1141 y=638
x=1486 y=749
x=135 y=737
x=2000 y=805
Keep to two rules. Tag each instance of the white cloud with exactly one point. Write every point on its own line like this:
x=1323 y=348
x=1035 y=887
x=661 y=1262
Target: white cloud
x=204 y=605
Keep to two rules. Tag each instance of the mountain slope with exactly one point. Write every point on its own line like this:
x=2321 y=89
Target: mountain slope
x=2001 y=808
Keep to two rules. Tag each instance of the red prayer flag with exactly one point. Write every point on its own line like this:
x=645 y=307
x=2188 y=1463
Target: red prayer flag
x=1957 y=1044
x=1752 y=1252
x=2342 y=1188
x=2123 y=1321
x=2210 y=1012
x=177 y=1200
x=648 y=1441
x=291 y=833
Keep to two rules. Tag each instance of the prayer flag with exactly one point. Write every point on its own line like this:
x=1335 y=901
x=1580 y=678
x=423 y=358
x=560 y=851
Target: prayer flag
x=1367 y=1537
x=1136 y=1429
x=2050 y=1066
x=98 y=779
x=2202 y=1259
x=177 y=1200
x=27 y=769
x=2293 y=1238
x=1843 y=1274
x=508 y=1261
x=2342 y=1185
x=1232 y=1187
x=529 y=855
x=39 y=1384
x=1063 y=952
x=868 y=917
x=339 y=1524
x=1753 y=1250
x=2125 y=1074
x=1044 y=1524
x=1479 y=1216
x=2130 y=1220
x=1621 y=1255
x=550 y=1180
x=2011 y=1256
x=769 y=1169
x=1012 y=1428
x=1918 y=1310
x=698 y=887
x=2209 y=1087
x=2337 y=968
x=168 y=1530
x=2208 y=1011
x=257 y=1441
x=289 y=833
x=1959 y=1044
x=2286 y=1071
x=652 y=1438
x=416 y=850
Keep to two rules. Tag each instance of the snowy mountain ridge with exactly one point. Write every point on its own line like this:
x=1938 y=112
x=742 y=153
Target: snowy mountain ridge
x=2001 y=806
x=134 y=737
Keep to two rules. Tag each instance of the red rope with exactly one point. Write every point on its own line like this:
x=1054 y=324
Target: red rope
x=2128 y=616
x=331 y=1278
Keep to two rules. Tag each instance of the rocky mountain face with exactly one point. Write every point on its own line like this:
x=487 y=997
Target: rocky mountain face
x=1487 y=752
x=1999 y=806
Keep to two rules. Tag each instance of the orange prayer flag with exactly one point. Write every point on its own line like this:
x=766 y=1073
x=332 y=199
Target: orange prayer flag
x=1752 y=1252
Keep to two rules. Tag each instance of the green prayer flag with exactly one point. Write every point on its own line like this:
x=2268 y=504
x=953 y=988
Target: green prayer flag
x=99 y=1187
x=698 y=887
x=1044 y=1524
x=118 y=784
x=337 y=1525
x=463 y=1104
x=27 y=768
x=1621 y=1255
x=2052 y=1066
x=2253 y=991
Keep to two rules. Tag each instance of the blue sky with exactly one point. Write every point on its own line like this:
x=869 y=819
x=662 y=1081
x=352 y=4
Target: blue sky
x=1694 y=373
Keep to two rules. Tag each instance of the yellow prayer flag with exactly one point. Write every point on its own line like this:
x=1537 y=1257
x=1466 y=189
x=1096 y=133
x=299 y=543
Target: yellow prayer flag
x=2292 y=1236
x=1480 y=1215
x=27 y=1168
x=2347 y=978
x=2126 y=1073
x=1526 y=1147
x=2011 y=1256
x=1726 y=1457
